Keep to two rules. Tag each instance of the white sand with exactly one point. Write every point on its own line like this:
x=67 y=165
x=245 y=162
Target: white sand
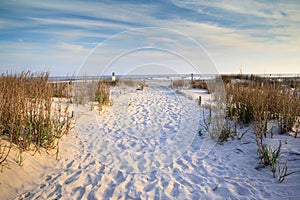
x=146 y=146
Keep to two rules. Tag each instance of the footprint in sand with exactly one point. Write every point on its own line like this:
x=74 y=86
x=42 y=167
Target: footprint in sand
x=73 y=178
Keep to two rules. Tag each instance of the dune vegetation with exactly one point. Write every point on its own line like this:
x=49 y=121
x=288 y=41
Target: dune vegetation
x=35 y=112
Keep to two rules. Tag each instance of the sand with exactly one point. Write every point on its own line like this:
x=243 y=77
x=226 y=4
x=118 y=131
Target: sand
x=146 y=146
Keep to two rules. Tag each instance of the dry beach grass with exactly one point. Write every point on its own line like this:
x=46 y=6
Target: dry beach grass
x=110 y=150
x=253 y=99
x=29 y=118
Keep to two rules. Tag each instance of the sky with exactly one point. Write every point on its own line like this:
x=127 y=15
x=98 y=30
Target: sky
x=224 y=36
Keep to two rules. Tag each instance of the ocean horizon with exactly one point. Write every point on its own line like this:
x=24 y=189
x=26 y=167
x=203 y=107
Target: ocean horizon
x=163 y=76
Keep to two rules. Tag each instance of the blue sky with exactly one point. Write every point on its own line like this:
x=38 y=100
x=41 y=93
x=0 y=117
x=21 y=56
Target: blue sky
x=254 y=36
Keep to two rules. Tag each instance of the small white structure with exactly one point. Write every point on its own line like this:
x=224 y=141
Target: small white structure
x=113 y=78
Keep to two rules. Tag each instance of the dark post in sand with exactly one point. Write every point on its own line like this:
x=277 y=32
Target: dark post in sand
x=199 y=102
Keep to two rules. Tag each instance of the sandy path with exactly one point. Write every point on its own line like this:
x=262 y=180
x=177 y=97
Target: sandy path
x=146 y=147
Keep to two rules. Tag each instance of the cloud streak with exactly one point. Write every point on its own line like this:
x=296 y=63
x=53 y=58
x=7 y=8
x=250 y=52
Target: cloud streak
x=256 y=34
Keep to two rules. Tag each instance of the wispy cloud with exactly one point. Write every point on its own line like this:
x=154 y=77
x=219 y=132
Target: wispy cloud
x=73 y=47
x=252 y=33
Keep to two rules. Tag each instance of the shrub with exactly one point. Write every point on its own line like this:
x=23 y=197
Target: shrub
x=199 y=84
x=179 y=83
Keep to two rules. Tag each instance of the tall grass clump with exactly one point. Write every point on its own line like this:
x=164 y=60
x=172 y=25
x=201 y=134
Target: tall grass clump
x=81 y=91
x=62 y=89
x=27 y=113
x=261 y=101
x=199 y=84
x=179 y=83
x=256 y=100
x=92 y=91
x=102 y=93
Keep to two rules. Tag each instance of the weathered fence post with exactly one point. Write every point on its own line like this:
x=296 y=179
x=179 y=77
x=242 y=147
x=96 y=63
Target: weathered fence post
x=199 y=103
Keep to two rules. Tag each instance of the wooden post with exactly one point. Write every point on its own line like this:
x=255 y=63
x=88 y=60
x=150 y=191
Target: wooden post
x=199 y=103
